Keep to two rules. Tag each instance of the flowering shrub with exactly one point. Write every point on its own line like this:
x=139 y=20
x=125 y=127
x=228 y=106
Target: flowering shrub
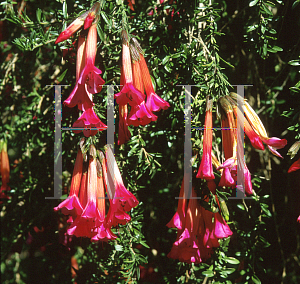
x=182 y=115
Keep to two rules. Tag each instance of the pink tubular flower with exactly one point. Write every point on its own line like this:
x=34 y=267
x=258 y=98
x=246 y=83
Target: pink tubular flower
x=104 y=232
x=185 y=248
x=87 y=121
x=226 y=179
x=86 y=19
x=295 y=166
x=124 y=133
x=206 y=170
x=90 y=218
x=71 y=206
x=139 y=114
x=121 y=199
x=129 y=94
x=88 y=82
x=214 y=230
x=154 y=102
x=177 y=220
x=273 y=142
x=71 y=29
x=252 y=135
x=79 y=96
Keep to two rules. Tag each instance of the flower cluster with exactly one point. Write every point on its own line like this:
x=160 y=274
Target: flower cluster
x=86 y=202
x=135 y=80
x=88 y=80
x=4 y=170
x=232 y=142
x=198 y=230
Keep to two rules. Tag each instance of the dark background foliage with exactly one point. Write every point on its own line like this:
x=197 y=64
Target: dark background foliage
x=203 y=43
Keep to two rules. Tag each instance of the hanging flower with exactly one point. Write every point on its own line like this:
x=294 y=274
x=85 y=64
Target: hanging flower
x=185 y=248
x=79 y=96
x=87 y=121
x=139 y=114
x=295 y=166
x=129 y=94
x=86 y=19
x=120 y=198
x=4 y=169
x=177 y=220
x=71 y=206
x=124 y=133
x=273 y=143
x=90 y=218
x=89 y=82
x=154 y=102
x=205 y=170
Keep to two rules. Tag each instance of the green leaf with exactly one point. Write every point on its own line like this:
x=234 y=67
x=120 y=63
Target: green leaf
x=241 y=206
x=277 y=48
x=253 y=3
x=62 y=76
x=165 y=60
x=232 y=260
x=255 y=279
x=294 y=62
x=144 y=244
x=208 y=273
x=104 y=16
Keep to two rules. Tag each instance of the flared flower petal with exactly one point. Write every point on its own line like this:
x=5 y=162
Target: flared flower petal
x=226 y=178
x=87 y=121
x=295 y=166
x=154 y=102
x=206 y=170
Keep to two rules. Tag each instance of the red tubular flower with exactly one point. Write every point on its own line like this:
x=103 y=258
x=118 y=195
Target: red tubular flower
x=89 y=82
x=4 y=169
x=185 y=248
x=91 y=15
x=87 y=121
x=295 y=166
x=139 y=114
x=124 y=133
x=177 y=220
x=206 y=170
x=79 y=96
x=86 y=19
x=226 y=179
x=129 y=94
x=104 y=232
x=273 y=142
x=71 y=206
x=214 y=230
x=121 y=199
x=154 y=102
x=90 y=218
x=226 y=138
x=71 y=29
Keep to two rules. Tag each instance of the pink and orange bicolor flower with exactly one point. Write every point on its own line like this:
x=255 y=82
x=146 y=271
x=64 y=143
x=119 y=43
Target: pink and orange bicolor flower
x=206 y=170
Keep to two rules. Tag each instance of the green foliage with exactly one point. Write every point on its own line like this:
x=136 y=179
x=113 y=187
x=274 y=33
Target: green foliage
x=210 y=46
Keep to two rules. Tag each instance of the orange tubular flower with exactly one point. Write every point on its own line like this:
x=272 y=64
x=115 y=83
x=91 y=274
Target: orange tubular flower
x=178 y=219
x=154 y=102
x=205 y=170
x=5 y=170
x=86 y=19
x=129 y=94
x=139 y=114
x=273 y=143
x=71 y=206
